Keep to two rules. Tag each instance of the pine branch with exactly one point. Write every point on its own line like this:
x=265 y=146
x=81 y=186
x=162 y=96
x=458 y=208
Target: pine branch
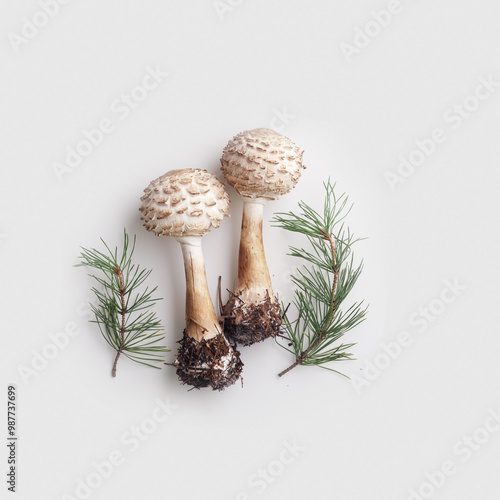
x=121 y=311
x=121 y=290
x=322 y=286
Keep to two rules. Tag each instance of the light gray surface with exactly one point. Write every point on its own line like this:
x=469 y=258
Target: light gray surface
x=242 y=67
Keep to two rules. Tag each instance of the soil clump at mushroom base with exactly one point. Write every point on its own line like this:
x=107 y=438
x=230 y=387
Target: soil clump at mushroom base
x=248 y=325
x=208 y=363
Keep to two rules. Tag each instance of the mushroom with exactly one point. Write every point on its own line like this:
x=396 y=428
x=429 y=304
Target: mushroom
x=261 y=165
x=187 y=204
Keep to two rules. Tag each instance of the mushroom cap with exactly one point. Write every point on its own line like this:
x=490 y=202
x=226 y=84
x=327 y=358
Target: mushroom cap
x=188 y=202
x=262 y=163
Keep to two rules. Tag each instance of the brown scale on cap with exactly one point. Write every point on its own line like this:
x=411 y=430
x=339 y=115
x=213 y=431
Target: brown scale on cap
x=261 y=165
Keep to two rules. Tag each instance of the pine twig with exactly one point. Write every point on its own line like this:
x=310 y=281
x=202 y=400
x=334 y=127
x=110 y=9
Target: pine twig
x=322 y=287
x=303 y=355
x=122 y=312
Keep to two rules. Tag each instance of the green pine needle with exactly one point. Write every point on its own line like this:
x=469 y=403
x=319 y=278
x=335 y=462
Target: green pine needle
x=322 y=286
x=122 y=308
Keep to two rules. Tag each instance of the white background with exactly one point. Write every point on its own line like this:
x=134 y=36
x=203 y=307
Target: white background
x=230 y=70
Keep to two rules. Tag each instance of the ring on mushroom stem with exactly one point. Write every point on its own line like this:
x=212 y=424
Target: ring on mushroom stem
x=187 y=204
x=261 y=165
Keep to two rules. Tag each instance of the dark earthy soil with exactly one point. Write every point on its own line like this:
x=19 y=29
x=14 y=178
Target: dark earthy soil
x=193 y=354
x=248 y=324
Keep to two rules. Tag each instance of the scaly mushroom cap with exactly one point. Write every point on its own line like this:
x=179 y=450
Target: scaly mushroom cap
x=261 y=163
x=188 y=202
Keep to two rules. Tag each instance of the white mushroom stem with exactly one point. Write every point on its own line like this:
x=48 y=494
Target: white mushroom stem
x=254 y=281
x=201 y=322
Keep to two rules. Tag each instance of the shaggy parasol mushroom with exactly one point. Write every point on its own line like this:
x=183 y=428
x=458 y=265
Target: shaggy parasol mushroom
x=261 y=165
x=187 y=204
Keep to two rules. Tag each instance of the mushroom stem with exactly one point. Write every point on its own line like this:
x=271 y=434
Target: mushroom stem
x=254 y=280
x=201 y=322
